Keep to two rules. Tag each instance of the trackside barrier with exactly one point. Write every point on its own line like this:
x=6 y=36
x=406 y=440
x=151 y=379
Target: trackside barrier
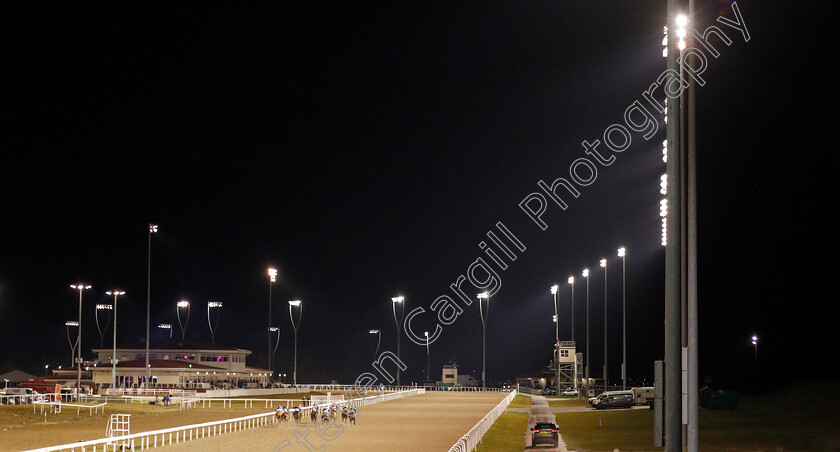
x=468 y=442
x=175 y=435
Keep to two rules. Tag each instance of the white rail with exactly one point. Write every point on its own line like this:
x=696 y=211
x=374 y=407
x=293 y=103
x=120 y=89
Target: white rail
x=175 y=435
x=473 y=437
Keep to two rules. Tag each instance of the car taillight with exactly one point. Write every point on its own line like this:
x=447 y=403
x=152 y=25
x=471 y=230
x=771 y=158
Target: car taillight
x=537 y=431
x=554 y=430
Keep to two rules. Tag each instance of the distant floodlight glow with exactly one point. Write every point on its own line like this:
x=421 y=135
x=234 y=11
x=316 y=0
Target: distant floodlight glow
x=104 y=306
x=571 y=280
x=294 y=303
x=398 y=299
x=682 y=20
x=621 y=252
x=374 y=331
x=585 y=272
x=484 y=295
x=183 y=304
x=554 y=289
x=272 y=273
x=71 y=323
x=165 y=326
x=214 y=304
x=603 y=263
x=153 y=228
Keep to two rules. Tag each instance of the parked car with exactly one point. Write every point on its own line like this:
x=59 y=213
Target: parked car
x=25 y=395
x=614 y=399
x=69 y=395
x=570 y=392
x=544 y=434
x=549 y=391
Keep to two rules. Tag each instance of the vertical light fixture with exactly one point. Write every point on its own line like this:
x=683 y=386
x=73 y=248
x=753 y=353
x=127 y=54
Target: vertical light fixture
x=80 y=287
x=603 y=264
x=272 y=278
x=153 y=228
x=295 y=324
x=585 y=275
x=183 y=304
x=484 y=313
x=115 y=293
x=394 y=302
x=622 y=253
x=213 y=325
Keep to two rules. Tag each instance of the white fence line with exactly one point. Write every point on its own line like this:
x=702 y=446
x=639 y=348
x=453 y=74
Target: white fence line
x=175 y=435
x=468 y=442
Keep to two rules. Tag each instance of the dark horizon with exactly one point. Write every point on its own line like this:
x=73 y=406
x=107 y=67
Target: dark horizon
x=366 y=151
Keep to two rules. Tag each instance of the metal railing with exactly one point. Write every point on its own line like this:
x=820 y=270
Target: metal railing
x=176 y=435
x=473 y=437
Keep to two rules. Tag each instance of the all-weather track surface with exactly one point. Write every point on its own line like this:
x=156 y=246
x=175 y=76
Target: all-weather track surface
x=430 y=422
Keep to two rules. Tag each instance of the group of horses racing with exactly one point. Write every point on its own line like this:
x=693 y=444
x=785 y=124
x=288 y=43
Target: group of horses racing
x=324 y=414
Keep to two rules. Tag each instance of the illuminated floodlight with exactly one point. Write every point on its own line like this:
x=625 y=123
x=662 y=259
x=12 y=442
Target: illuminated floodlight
x=622 y=252
x=294 y=303
x=272 y=273
x=214 y=304
x=682 y=20
x=554 y=318
x=585 y=272
x=80 y=286
x=273 y=329
x=104 y=306
x=484 y=295
x=183 y=304
x=571 y=280
x=153 y=228
x=603 y=263
x=115 y=292
x=374 y=331
x=165 y=326
x=71 y=323
x=554 y=289
x=398 y=299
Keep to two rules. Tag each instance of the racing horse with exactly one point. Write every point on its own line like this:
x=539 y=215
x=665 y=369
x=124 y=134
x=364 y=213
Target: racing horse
x=351 y=413
x=344 y=414
x=296 y=414
x=282 y=416
x=313 y=414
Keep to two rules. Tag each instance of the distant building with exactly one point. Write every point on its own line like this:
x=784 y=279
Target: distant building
x=12 y=379
x=449 y=376
x=568 y=364
x=176 y=363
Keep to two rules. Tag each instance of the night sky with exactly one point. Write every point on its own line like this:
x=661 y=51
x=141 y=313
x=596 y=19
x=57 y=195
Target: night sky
x=365 y=150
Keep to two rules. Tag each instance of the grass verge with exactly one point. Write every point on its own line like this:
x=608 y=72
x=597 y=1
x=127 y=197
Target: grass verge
x=507 y=434
x=793 y=419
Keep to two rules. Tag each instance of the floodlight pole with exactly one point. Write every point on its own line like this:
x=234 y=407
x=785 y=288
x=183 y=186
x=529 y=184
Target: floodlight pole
x=115 y=293
x=152 y=229
x=401 y=301
x=693 y=440
x=673 y=252
x=80 y=287
x=604 y=265
x=295 y=326
x=586 y=367
x=484 y=313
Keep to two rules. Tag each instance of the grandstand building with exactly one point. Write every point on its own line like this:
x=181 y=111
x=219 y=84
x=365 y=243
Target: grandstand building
x=176 y=363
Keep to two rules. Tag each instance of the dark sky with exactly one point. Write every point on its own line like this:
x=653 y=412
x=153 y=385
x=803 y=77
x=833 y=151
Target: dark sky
x=366 y=150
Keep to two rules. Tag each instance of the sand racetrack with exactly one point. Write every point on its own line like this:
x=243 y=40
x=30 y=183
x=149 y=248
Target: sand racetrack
x=430 y=422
